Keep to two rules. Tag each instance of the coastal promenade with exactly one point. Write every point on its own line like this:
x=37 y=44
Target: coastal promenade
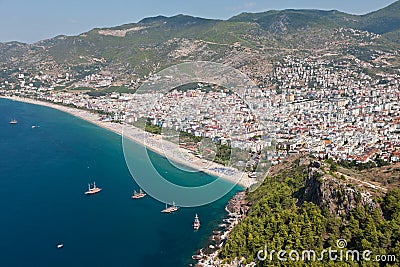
x=153 y=142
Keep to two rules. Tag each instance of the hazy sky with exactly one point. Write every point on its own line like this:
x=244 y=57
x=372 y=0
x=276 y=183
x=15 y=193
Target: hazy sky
x=33 y=20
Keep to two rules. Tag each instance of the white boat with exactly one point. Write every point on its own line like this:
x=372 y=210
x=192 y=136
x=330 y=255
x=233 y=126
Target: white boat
x=196 y=223
x=92 y=190
x=171 y=209
x=60 y=246
x=197 y=257
x=137 y=195
x=14 y=121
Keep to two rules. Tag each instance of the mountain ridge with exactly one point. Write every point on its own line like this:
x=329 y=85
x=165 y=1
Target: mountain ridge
x=156 y=42
x=370 y=21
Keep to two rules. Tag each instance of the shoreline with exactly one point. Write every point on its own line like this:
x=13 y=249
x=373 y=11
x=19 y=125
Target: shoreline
x=153 y=142
x=236 y=210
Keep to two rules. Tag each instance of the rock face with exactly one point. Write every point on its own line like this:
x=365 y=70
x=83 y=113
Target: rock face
x=238 y=204
x=333 y=194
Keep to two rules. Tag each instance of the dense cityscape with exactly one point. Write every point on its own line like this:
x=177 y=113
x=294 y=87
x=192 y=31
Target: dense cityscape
x=319 y=105
x=296 y=110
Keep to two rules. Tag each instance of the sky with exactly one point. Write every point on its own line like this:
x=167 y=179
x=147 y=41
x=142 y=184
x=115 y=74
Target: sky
x=33 y=20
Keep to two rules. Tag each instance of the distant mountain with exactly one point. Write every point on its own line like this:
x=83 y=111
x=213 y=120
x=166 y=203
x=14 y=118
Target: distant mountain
x=156 y=42
x=286 y=20
x=383 y=21
x=151 y=39
x=8 y=50
x=177 y=21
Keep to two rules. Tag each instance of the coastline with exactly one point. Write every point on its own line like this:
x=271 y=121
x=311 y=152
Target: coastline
x=155 y=143
x=236 y=209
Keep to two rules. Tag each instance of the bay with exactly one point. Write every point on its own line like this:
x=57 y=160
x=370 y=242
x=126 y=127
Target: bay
x=43 y=174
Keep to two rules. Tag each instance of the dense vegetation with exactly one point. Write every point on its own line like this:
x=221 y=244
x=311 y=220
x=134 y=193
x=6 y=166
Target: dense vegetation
x=378 y=162
x=219 y=153
x=151 y=128
x=105 y=91
x=277 y=222
x=223 y=155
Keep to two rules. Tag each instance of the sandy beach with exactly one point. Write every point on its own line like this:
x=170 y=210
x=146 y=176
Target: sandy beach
x=154 y=142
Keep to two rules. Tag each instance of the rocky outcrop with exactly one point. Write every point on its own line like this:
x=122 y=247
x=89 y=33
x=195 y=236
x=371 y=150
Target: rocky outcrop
x=335 y=195
x=238 y=204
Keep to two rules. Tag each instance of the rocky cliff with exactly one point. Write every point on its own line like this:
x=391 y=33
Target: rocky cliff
x=334 y=194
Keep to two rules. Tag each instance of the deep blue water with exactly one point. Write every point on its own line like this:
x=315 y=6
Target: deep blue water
x=43 y=174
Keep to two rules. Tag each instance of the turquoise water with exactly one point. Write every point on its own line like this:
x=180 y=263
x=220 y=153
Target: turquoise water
x=43 y=174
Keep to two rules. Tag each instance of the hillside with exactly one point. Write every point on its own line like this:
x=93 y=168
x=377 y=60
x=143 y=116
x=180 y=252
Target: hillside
x=304 y=207
x=246 y=41
x=311 y=57
x=249 y=42
x=383 y=21
x=292 y=20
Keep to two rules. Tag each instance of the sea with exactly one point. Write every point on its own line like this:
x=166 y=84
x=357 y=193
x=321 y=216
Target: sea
x=44 y=172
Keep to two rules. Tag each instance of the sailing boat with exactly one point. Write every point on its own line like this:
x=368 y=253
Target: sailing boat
x=13 y=121
x=93 y=190
x=196 y=223
x=137 y=195
x=170 y=209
